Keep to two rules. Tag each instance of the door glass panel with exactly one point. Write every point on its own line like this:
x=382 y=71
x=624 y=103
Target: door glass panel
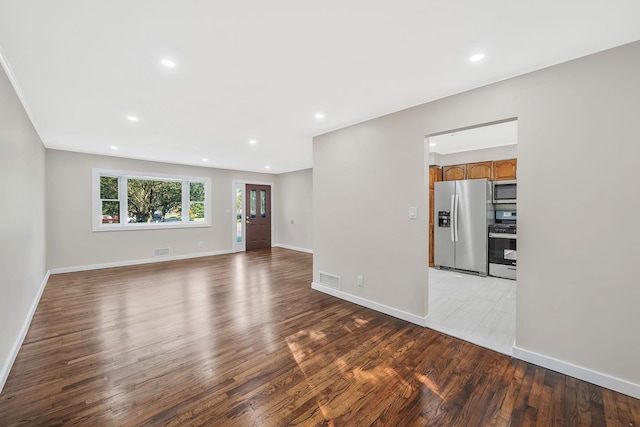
x=263 y=203
x=252 y=204
x=239 y=215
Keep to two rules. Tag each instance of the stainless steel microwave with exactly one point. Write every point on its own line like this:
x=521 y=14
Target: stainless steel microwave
x=505 y=191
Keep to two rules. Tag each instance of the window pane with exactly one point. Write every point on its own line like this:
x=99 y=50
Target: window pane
x=109 y=187
x=196 y=212
x=263 y=203
x=110 y=212
x=239 y=205
x=252 y=202
x=154 y=201
x=197 y=191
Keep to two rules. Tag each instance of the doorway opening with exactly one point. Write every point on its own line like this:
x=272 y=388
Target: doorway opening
x=477 y=309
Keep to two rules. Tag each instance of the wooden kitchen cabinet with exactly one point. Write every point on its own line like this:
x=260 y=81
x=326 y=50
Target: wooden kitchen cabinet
x=435 y=175
x=480 y=170
x=454 y=172
x=505 y=169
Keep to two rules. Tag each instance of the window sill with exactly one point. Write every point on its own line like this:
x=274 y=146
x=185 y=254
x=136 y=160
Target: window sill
x=148 y=226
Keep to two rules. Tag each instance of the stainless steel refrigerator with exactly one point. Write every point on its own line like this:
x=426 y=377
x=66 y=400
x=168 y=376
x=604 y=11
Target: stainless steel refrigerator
x=462 y=213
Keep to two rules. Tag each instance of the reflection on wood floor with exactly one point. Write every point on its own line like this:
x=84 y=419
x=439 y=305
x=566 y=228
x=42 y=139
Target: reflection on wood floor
x=242 y=340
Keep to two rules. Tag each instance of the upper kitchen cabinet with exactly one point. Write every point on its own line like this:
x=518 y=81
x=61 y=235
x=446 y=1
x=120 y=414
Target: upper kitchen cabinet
x=480 y=170
x=505 y=169
x=454 y=172
x=435 y=175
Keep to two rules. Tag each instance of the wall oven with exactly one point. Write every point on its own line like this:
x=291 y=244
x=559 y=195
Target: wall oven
x=505 y=191
x=502 y=250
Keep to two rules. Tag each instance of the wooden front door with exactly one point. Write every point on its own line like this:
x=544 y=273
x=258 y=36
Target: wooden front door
x=258 y=216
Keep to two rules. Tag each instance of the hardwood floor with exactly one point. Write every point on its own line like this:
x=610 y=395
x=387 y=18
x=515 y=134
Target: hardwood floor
x=242 y=340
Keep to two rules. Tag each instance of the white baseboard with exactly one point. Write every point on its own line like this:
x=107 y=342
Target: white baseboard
x=137 y=262
x=412 y=318
x=8 y=364
x=597 y=378
x=482 y=342
x=293 y=248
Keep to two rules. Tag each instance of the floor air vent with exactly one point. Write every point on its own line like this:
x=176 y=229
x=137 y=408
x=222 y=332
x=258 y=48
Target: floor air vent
x=330 y=280
x=161 y=252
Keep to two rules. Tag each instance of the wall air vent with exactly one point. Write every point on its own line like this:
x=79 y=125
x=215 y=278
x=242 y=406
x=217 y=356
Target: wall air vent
x=331 y=280
x=161 y=252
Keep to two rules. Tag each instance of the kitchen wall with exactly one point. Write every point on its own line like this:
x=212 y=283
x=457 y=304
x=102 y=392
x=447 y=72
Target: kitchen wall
x=577 y=289
x=22 y=223
x=472 y=156
x=294 y=207
x=71 y=243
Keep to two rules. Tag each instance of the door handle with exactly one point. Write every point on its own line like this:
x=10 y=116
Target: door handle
x=452 y=215
x=249 y=222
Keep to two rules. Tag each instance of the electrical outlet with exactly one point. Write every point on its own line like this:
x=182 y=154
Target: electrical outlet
x=360 y=281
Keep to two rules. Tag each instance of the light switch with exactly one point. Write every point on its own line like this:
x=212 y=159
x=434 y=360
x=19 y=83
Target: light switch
x=413 y=213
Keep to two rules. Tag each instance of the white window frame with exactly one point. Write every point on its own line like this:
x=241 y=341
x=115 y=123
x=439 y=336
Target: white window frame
x=97 y=224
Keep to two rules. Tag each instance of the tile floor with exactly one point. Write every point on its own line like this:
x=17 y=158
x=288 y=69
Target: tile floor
x=481 y=310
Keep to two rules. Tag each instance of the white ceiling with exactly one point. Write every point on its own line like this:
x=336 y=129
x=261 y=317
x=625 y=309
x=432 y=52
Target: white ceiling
x=262 y=69
x=495 y=135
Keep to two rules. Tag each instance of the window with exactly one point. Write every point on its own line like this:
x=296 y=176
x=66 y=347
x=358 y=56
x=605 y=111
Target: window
x=239 y=205
x=133 y=200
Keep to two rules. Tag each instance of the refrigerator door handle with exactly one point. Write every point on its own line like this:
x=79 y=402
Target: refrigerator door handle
x=453 y=213
x=455 y=219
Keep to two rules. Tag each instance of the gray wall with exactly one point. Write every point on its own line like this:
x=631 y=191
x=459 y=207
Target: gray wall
x=577 y=290
x=72 y=243
x=22 y=220
x=294 y=210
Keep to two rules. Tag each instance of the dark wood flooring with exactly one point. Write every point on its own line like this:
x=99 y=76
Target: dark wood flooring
x=242 y=340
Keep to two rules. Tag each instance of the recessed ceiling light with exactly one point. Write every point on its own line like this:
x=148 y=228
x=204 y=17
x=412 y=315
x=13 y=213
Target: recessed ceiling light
x=477 y=57
x=267 y=167
x=204 y=159
x=319 y=116
x=113 y=147
x=168 y=63
x=132 y=118
x=252 y=141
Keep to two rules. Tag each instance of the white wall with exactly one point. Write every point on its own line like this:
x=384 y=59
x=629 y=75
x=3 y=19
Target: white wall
x=72 y=243
x=294 y=210
x=365 y=179
x=578 y=150
x=22 y=222
x=484 y=155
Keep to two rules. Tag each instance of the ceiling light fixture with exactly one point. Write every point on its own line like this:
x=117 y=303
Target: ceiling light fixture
x=113 y=147
x=252 y=141
x=168 y=63
x=132 y=118
x=267 y=167
x=477 y=57
x=204 y=159
x=319 y=116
